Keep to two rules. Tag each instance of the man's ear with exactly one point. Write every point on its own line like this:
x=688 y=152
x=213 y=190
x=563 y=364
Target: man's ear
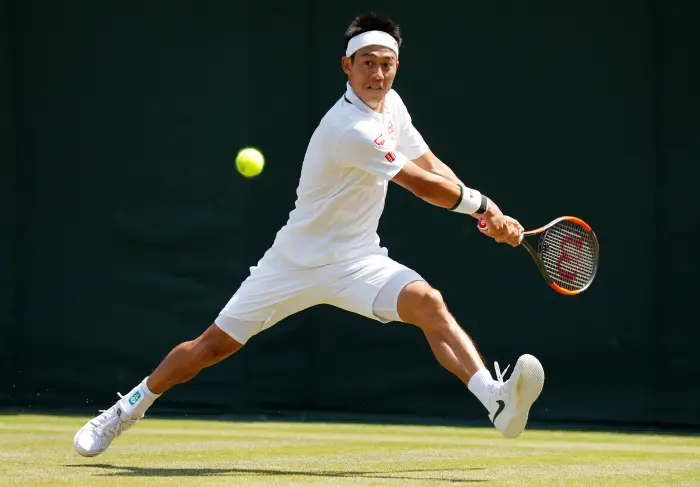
x=347 y=64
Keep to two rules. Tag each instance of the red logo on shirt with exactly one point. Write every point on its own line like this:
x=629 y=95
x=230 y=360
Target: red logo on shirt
x=379 y=140
x=391 y=127
x=390 y=156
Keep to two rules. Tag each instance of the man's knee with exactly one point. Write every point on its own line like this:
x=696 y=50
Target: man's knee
x=423 y=306
x=432 y=304
x=215 y=345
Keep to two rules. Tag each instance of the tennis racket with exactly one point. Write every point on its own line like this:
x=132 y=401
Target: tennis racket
x=566 y=253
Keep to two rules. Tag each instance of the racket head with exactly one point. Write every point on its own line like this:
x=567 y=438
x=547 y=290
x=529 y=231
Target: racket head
x=567 y=254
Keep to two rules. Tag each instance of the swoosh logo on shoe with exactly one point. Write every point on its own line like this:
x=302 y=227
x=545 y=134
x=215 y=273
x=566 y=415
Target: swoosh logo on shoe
x=501 y=407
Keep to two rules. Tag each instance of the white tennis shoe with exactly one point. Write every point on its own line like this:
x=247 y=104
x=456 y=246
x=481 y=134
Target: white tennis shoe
x=94 y=438
x=511 y=400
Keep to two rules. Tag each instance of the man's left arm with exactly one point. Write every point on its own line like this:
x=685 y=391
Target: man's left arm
x=430 y=162
x=413 y=146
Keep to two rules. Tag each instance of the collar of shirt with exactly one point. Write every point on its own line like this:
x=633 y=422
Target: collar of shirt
x=356 y=101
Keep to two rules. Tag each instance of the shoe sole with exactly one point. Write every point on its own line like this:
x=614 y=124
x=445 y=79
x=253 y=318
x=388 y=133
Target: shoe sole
x=529 y=388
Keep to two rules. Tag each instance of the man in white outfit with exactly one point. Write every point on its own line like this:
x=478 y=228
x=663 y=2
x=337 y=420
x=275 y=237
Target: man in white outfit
x=328 y=252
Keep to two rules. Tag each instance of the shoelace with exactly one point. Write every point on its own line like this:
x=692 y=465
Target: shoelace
x=499 y=374
x=109 y=424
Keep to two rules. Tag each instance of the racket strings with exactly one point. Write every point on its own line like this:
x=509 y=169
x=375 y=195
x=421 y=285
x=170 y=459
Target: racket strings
x=569 y=255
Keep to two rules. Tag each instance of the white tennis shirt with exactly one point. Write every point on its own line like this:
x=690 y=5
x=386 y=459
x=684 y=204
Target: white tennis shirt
x=351 y=157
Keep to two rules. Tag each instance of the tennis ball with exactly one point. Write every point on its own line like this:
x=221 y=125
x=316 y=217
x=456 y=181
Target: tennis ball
x=250 y=162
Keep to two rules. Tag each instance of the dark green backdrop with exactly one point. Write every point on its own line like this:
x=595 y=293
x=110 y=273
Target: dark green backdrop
x=125 y=227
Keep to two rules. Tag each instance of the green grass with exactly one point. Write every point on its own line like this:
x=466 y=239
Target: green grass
x=37 y=451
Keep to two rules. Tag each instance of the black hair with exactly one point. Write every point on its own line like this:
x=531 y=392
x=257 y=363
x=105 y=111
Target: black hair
x=372 y=21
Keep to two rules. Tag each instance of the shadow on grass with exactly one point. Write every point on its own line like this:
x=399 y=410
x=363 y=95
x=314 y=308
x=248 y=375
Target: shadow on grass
x=126 y=471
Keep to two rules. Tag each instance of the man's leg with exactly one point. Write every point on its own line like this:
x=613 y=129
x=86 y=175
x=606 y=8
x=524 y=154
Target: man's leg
x=180 y=365
x=421 y=305
x=189 y=358
x=382 y=289
x=272 y=292
x=508 y=403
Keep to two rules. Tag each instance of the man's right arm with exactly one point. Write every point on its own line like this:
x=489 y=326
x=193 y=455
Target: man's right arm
x=444 y=193
x=362 y=146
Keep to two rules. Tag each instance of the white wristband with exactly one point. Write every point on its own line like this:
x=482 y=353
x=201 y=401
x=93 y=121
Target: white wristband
x=470 y=202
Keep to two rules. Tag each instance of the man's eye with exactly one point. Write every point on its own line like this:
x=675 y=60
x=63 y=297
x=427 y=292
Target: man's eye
x=368 y=63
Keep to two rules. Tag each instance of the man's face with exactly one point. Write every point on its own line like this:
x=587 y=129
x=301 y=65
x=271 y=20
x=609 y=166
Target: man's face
x=371 y=74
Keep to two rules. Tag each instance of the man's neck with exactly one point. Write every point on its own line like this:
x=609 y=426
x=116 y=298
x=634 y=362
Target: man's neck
x=377 y=106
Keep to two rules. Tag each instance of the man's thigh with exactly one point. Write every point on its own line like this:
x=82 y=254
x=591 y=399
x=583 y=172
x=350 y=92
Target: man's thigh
x=274 y=290
x=369 y=286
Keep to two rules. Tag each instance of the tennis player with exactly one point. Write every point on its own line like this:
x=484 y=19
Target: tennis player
x=328 y=252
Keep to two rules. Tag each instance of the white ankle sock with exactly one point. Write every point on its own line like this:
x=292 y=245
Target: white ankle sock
x=481 y=385
x=138 y=400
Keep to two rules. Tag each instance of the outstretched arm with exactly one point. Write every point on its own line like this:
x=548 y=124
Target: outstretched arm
x=432 y=164
x=450 y=194
x=359 y=147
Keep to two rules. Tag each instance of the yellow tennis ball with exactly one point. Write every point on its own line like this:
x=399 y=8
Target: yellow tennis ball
x=250 y=162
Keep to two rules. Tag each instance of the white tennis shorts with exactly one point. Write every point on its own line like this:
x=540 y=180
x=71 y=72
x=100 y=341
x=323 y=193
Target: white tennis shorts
x=277 y=288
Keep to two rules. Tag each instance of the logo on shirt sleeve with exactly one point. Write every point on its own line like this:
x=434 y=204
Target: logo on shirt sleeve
x=379 y=140
x=390 y=156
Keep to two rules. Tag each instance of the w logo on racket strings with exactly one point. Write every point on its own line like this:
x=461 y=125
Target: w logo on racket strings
x=565 y=256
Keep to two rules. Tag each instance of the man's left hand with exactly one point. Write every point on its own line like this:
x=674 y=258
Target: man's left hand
x=512 y=234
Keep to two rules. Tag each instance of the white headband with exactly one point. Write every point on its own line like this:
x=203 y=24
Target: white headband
x=372 y=38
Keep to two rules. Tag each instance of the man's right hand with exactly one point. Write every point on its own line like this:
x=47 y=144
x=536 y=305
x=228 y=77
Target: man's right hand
x=501 y=228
